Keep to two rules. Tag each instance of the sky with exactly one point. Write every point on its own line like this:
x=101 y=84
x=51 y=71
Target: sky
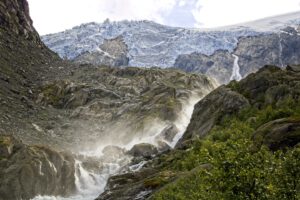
x=52 y=16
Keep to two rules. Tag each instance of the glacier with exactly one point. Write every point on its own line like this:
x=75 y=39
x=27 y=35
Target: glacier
x=154 y=45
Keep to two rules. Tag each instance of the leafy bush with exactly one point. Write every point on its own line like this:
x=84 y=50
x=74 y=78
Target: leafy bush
x=239 y=171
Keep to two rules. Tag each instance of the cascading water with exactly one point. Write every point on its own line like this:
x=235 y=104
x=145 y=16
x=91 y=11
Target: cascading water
x=185 y=117
x=280 y=50
x=236 y=69
x=90 y=184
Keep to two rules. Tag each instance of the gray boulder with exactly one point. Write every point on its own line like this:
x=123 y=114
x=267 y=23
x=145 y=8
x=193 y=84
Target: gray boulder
x=143 y=150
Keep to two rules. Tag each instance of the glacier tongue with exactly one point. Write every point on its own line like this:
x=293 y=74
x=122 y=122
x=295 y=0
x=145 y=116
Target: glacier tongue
x=236 y=69
x=149 y=44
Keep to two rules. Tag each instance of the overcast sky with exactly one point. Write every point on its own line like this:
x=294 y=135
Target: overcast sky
x=52 y=16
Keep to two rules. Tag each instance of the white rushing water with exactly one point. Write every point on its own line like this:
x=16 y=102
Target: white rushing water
x=280 y=49
x=90 y=184
x=236 y=69
x=185 y=117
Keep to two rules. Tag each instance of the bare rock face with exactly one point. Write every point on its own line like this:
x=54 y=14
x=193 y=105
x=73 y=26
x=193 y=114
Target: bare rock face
x=27 y=171
x=14 y=16
x=111 y=53
x=168 y=133
x=219 y=65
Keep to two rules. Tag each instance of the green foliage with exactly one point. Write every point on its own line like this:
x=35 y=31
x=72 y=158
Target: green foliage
x=5 y=140
x=239 y=171
x=158 y=180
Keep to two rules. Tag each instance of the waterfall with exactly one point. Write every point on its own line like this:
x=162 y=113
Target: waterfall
x=185 y=117
x=280 y=50
x=236 y=69
x=90 y=184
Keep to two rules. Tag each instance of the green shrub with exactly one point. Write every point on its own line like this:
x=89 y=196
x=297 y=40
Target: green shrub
x=239 y=171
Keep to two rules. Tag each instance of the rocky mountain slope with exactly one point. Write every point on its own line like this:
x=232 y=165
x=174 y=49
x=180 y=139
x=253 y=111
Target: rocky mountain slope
x=151 y=44
x=50 y=107
x=106 y=103
x=235 y=136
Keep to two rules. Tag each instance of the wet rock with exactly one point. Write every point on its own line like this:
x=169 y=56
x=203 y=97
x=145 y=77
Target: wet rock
x=112 y=153
x=92 y=164
x=136 y=185
x=278 y=134
x=127 y=186
x=162 y=146
x=111 y=150
x=28 y=171
x=168 y=133
x=210 y=110
x=143 y=150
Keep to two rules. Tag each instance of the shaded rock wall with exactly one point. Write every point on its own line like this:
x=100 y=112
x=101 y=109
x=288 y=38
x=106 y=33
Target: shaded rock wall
x=27 y=171
x=14 y=17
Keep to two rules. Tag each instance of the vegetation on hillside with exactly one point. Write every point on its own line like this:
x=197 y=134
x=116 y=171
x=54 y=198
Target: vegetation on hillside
x=231 y=164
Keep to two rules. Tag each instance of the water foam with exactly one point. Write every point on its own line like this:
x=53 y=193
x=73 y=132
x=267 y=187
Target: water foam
x=236 y=69
x=90 y=184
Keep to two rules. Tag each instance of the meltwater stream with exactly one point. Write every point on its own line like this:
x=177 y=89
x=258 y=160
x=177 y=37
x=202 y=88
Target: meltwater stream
x=91 y=184
x=236 y=69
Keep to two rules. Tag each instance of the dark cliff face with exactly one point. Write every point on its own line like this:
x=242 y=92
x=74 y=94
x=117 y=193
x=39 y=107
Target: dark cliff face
x=15 y=18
